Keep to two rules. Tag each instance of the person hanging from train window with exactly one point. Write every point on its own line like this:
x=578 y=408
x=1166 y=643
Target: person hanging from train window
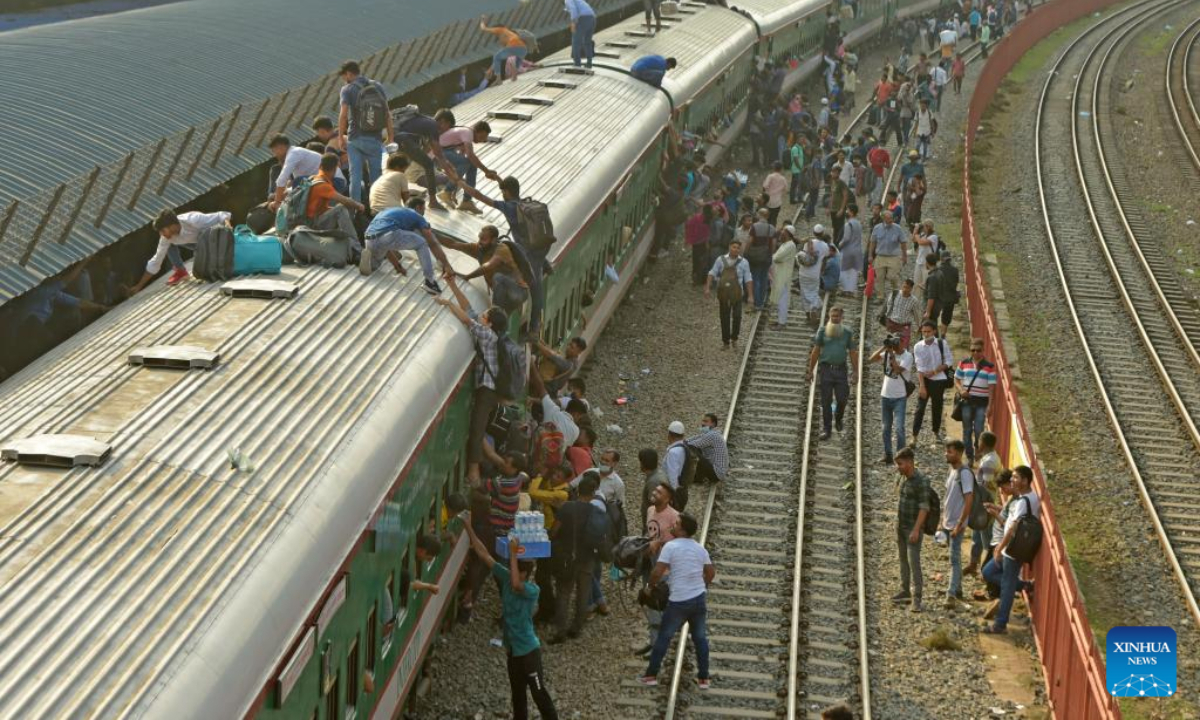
x=484 y=331
x=556 y=369
x=650 y=69
x=173 y=231
x=510 y=193
x=498 y=265
x=428 y=549
x=458 y=147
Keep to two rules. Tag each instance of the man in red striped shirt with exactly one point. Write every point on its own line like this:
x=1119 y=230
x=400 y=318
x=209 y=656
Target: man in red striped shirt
x=975 y=381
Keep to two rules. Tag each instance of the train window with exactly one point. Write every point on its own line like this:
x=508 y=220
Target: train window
x=389 y=614
x=433 y=526
x=372 y=640
x=405 y=577
x=332 y=707
x=352 y=679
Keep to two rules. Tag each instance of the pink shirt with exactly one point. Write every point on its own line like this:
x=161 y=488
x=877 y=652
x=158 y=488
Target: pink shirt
x=658 y=526
x=775 y=186
x=458 y=138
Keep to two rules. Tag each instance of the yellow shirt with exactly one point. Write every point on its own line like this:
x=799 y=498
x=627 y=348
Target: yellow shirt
x=550 y=498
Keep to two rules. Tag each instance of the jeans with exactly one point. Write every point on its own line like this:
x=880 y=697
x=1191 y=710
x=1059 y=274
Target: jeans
x=810 y=206
x=581 y=40
x=484 y=402
x=935 y=395
x=700 y=263
x=923 y=142
x=507 y=294
x=597 y=594
x=398 y=240
x=731 y=321
x=973 y=417
x=652 y=7
x=979 y=544
x=1009 y=579
x=537 y=287
x=910 y=562
x=525 y=673
x=364 y=149
x=795 y=195
x=463 y=166
x=905 y=129
x=893 y=416
x=760 y=273
x=575 y=580
x=694 y=612
x=175 y=258
x=412 y=147
x=834 y=381
x=503 y=54
x=954 y=589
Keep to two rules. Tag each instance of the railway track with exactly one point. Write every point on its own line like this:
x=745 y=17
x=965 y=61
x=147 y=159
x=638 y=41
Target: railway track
x=1180 y=101
x=1145 y=370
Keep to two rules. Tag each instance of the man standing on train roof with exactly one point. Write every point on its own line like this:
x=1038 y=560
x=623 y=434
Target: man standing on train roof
x=397 y=229
x=419 y=137
x=173 y=231
x=583 y=26
x=508 y=205
x=650 y=69
x=514 y=47
x=518 y=602
x=458 y=147
x=363 y=122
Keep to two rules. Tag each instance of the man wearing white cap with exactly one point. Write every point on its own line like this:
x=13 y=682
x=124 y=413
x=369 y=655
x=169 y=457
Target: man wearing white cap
x=823 y=116
x=674 y=460
x=812 y=257
x=784 y=263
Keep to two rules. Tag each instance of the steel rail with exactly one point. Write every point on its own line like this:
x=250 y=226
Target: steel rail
x=1159 y=295
x=1106 y=399
x=1175 y=103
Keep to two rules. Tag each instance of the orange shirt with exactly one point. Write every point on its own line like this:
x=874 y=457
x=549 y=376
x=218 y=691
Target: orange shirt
x=319 y=196
x=507 y=37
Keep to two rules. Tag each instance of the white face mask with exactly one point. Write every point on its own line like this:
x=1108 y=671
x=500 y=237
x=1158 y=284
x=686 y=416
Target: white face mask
x=604 y=469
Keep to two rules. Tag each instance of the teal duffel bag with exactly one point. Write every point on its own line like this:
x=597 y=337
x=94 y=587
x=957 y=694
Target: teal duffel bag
x=255 y=254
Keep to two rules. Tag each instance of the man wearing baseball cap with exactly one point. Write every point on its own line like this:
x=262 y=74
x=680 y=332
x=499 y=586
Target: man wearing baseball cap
x=673 y=462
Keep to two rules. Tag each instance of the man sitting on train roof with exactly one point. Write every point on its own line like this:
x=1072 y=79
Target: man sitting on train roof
x=397 y=229
x=295 y=164
x=327 y=208
x=175 y=230
x=651 y=68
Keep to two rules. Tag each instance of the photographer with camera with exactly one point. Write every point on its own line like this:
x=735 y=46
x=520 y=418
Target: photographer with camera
x=893 y=396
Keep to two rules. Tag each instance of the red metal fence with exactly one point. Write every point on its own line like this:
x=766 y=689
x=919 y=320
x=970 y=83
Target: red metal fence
x=1071 y=662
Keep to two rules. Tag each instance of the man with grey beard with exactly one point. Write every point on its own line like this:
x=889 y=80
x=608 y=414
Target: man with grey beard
x=832 y=347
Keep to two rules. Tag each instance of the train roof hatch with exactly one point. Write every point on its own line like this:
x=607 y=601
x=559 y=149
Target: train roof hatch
x=65 y=451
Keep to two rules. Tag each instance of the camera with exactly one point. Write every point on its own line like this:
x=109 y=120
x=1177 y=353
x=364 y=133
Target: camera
x=892 y=341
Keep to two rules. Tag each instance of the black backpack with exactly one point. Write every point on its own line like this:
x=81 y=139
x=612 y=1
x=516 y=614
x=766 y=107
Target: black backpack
x=979 y=518
x=522 y=261
x=598 y=538
x=1027 y=537
x=512 y=373
x=536 y=225
x=371 y=109
x=933 y=518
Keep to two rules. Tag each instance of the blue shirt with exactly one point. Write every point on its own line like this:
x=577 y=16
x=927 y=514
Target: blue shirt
x=349 y=98
x=400 y=218
x=41 y=301
x=578 y=9
x=743 y=269
x=650 y=69
x=508 y=208
x=517 y=608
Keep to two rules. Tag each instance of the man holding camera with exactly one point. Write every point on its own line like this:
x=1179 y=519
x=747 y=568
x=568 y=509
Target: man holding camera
x=893 y=396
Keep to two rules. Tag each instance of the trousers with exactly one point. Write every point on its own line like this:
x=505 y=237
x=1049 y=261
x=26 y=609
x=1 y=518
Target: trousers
x=731 y=320
x=525 y=673
x=834 y=383
x=910 y=562
x=694 y=612
x=575 y=580
x=935 y=396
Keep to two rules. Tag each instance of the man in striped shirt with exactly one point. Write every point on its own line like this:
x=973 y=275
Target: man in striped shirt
x=975 y=382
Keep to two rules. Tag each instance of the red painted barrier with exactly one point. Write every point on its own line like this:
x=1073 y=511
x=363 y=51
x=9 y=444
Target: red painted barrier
x=1071 y=662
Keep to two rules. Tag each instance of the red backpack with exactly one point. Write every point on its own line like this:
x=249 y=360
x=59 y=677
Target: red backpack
x=548 y=447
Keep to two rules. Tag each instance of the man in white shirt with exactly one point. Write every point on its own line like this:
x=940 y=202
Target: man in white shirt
x=956 y=510
x=296 y=163
x=939 y=77
x=612 y=487
x=173 y=231
x=989 y=468
x=1003 y=569
x=734 y=268
x=775 y=185
x=674 y=459
x=691 y=572
x=811 y=259
x=933 y=358
x=893 y=396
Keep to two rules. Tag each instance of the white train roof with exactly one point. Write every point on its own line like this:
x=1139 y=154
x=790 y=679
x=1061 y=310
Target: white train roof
x=703 y=39
x=571 y=147
x=773 y=15
x=165 y=581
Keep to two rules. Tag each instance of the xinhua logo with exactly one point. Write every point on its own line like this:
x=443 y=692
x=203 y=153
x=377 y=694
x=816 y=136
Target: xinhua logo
x=1141 y=661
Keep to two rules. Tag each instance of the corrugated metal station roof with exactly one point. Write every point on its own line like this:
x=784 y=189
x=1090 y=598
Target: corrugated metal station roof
x=109 y=120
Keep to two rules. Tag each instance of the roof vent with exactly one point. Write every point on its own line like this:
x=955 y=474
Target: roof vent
x=560 y=84
x=183 y=357
x=623 y=43
x=633 y=33
x=260 y=287
x=65 y=451
x=533 y=100
x=509 y=115
x=607 y=54
x=577 y=70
